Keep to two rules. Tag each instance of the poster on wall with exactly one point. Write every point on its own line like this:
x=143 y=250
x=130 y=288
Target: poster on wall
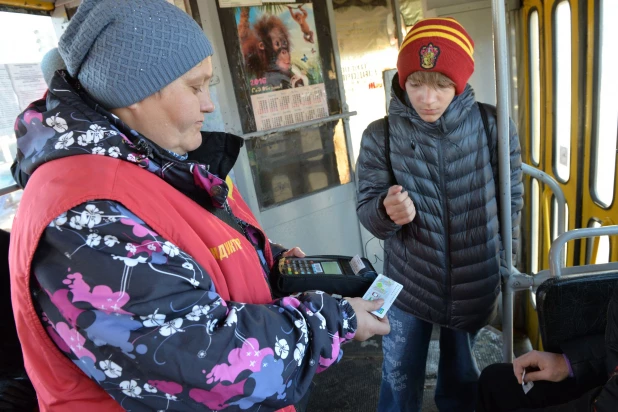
x=281 y=58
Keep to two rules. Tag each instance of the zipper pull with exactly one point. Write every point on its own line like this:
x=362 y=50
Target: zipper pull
x=144 y=147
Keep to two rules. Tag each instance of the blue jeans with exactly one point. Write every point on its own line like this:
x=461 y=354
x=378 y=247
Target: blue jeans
x=403 y=369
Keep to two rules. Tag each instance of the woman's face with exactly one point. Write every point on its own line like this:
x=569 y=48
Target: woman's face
x=173 y=117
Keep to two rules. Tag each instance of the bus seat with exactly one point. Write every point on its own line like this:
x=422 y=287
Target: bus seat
x=573 y=306
x=16 y=391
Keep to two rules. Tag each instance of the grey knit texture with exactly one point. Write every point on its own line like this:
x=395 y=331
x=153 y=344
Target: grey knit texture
x=51 y=62
x=123 y=51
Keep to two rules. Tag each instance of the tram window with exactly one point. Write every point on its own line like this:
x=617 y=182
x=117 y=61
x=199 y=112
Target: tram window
x=554 y=222
x=534 y=226
x=535 y=87
x=20 y=83
x=562 y=90
x=606 y=122
x=289 y=165
x=602 y=255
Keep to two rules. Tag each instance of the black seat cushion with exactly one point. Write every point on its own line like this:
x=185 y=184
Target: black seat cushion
x=573 y=306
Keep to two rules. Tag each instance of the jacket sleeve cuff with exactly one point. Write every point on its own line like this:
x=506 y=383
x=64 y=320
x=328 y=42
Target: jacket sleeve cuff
x=566 y=359
x=349 y=327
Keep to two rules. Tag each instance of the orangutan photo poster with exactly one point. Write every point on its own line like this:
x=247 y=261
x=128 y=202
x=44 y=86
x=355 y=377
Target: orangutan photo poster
x=280 y=51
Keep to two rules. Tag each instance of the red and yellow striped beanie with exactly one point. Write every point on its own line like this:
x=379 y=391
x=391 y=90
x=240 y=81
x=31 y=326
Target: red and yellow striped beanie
x=437 y=45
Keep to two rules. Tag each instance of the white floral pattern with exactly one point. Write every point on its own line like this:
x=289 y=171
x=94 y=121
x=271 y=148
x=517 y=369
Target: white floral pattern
x=58 y=123
x=197 y=312
x=90 y=217
x=75 y=223
x=110 y=240
x=170 y=249
x=131 y=248
x=130 y=388
x=93 y=240
x=149 y=388
x=299 y=353
x=282 y=348
x=171 y=327
x=111 y=369
x=98 y=151
x=84 y=140
x=95 y=133
x=65 y=141
x=59 y=221
x=155 y=319
x=113 y=151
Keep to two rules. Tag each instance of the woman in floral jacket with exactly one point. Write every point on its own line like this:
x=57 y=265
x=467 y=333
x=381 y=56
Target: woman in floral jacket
x=162 y=304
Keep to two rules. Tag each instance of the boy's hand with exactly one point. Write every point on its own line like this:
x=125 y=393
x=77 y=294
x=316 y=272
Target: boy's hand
x=399 y=206
x=552 y=367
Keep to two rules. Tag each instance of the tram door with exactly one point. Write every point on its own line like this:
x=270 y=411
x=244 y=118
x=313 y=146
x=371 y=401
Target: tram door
x=570 y=127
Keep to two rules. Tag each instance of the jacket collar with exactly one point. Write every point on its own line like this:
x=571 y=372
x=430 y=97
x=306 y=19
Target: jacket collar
x=69 y=122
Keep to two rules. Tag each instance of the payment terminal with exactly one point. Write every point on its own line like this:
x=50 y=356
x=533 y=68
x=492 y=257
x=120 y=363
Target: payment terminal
x=342 y=275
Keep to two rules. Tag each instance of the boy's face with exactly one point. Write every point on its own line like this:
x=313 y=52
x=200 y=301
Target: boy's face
x=429 y=102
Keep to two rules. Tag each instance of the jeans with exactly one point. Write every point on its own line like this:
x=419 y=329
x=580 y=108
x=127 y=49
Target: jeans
x=403 y=369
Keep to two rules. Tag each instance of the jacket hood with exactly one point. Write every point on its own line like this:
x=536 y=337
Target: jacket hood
x=453 y=116
x=68 y=122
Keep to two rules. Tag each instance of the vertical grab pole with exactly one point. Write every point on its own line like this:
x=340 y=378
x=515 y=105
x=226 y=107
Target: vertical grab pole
x=344 y=105
x=502 y=93
x=397 y=18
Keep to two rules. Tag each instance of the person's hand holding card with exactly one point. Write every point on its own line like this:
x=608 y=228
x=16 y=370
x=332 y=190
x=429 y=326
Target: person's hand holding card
x=367 y=324
x=540 y=366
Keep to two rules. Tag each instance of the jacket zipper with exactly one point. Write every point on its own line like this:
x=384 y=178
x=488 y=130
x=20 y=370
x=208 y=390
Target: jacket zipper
x=243 y=226
x=445 y=223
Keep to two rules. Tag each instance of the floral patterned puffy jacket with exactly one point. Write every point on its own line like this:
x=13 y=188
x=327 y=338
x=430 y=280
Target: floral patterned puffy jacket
x=139 y=315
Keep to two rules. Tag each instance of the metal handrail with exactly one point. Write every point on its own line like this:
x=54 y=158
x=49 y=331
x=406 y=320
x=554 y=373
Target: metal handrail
x=296 y=126
x=556 y=190
x=9 y=189
x=555 y=252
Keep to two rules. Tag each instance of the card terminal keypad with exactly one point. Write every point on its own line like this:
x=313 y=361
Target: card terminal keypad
x=299 y=267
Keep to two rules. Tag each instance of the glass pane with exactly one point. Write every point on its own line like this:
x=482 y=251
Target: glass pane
x=8 y=207
x=20 y=83
x=289 y=165
x=607 y=106
x=562 y=91
x=602 y=255
x=535 y=87
x=534 y=227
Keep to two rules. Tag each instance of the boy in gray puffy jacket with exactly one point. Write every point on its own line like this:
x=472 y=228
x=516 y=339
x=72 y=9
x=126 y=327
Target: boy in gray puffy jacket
x=437 y=208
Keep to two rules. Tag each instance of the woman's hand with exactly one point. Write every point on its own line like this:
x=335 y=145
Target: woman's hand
x=294 y=252
x=368 y=324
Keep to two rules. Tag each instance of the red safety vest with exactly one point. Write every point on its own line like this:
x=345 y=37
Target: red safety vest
x=65 y=183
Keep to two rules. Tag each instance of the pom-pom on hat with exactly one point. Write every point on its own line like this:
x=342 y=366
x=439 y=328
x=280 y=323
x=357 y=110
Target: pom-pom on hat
x=437 y=45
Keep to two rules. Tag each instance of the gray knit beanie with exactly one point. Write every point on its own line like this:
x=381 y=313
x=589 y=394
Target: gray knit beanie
x=52 y=61
x=122 y=51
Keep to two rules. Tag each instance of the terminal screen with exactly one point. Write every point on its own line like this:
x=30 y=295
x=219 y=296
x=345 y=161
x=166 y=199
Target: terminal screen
x=331 y=268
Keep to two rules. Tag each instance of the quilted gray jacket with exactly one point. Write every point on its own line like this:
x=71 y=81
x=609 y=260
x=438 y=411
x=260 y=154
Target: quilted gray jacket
x=449 y=257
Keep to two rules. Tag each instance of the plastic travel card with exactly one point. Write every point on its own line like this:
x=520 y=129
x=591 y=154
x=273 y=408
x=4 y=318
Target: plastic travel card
x=383 y=288
x=526 y=386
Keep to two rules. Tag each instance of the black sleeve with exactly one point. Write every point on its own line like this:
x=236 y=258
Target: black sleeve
x=587 y=357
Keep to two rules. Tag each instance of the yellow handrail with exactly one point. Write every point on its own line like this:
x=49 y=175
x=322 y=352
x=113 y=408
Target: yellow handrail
x=29 y=4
